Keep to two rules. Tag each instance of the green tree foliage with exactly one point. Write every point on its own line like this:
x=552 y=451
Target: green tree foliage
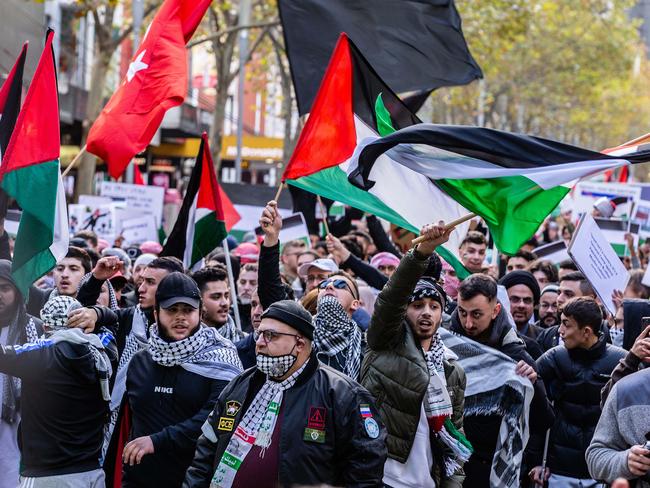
x=571 y=70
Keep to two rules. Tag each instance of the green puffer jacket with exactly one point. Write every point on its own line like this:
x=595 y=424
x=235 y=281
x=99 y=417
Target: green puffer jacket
x=395 y=371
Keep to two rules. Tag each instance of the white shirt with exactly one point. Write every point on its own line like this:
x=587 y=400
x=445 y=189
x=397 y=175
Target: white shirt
x=416 y=472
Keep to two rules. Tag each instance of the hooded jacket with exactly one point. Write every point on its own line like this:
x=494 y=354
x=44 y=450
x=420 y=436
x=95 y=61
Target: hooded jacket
x=395 y=370
x=574 y=378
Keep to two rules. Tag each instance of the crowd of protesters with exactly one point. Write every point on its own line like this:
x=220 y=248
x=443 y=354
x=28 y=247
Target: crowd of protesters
x=354 y=360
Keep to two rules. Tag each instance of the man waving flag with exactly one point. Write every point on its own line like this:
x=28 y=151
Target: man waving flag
x=155 y=82
x=31 y=174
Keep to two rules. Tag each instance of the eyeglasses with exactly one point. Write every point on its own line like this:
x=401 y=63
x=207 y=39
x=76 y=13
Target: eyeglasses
x=338 y=283
x=269 y=335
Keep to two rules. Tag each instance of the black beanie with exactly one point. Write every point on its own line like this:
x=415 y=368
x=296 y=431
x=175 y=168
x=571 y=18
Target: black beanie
x=521 y=277
x=293 y=314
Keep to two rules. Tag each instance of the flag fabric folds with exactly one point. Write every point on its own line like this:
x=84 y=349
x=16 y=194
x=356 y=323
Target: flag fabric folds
x=10 y=97
x=354 y=103
x=513 y=181
x=206 y=216
x=413 y=44
x=31 y=167
x=155 y=82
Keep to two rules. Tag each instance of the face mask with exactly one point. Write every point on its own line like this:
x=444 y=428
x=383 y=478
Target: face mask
x=275 y=366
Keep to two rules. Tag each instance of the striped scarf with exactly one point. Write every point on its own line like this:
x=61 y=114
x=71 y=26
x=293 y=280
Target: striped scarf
x=230 y=331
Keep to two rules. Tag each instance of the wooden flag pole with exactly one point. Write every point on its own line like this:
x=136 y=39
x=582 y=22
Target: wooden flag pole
x=279 y=192
x=450 y=225
x=72 y=164
x=323 y=210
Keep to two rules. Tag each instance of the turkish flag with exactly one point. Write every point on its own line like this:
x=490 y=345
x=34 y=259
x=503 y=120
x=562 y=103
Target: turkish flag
x=155 y=82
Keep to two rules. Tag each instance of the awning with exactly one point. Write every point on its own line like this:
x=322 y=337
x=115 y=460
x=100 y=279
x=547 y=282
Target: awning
x=255 y=148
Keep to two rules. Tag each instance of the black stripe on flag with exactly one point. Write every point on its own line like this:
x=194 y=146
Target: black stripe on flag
x=12 y=91
x=176 y=242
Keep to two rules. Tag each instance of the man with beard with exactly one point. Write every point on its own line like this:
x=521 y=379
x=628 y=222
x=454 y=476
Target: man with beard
x=291 y=421
x=246 y=347
x=481 y=317
x=216 y=300
x=246 y=283
x=418 y=383
x=131 y=336
x=548 y=313
x=172 y=386
x=68 y=274
x=17 y=327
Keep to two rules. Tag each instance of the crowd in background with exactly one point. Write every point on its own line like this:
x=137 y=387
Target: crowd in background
x=352 y=359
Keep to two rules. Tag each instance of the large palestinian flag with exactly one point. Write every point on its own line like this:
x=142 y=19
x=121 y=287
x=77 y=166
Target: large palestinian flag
x=206 y=216
x=513 y=181
x=353 y=103
x=31 y=174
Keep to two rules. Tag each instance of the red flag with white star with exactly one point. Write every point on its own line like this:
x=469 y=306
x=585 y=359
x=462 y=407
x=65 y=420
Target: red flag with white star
x=155 y=82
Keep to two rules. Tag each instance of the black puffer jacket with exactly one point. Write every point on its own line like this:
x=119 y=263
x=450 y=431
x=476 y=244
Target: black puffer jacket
x=573 y=380
x=347 y=457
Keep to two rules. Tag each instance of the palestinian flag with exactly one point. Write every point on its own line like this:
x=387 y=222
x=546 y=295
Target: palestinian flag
x=206 y=215
x=513 y=181
x=10 y=97
x=353 y=103
x=31 y=174
x=634 y=146
x=614 y=231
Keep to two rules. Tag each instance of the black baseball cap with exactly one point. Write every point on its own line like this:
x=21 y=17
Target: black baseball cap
x=175 y=288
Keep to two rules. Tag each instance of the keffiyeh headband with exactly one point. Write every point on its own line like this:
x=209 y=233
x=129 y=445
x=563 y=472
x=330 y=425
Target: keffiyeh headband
x=55 y=312
x=428 y=289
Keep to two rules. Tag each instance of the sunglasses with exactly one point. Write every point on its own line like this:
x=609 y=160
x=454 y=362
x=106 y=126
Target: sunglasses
x=338 y=283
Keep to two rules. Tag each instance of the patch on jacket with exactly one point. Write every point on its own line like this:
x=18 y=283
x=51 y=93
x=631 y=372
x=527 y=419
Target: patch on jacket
x=232 y=407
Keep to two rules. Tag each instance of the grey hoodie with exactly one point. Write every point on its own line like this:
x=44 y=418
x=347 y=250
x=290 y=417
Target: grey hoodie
x=624 y=422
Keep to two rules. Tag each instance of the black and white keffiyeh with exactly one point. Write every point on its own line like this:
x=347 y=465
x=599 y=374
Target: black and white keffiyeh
x=135 y=341
x=18 y=333
x=205 y=353
x=493 y=388
x=54 y=313
x=335 y=332
x=230 y=331
x=271 y=391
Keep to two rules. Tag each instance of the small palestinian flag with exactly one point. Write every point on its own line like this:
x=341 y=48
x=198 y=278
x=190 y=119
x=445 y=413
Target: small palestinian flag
x=353 y=103
x=614 y=231
x=513 y=181
x=10 y=97
x=31 y=174
x=206 y=216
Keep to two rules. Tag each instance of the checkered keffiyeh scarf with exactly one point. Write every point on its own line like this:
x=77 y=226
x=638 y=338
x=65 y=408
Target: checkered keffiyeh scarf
x=11 y=384
x=335 y=332
x=258 y=421
x=205 y=353
x=438 y=409
x=135 y=341
x=55 y=312
x=493 y=388
x=230 y=331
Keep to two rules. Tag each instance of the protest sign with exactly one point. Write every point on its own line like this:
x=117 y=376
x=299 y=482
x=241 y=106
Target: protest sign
x=294 y=227
x=139 y=229
x=587 y=192
x=614 y=231
x=139 y=199
x=556 y=252
x=12 y=221
x=598 y=261
x=250 y=216
x=101 y=219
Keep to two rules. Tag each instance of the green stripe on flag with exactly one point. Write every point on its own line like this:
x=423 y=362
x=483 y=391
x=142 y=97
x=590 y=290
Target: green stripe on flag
x=208 y=234
x=333 y=183
x=32 y=188
x=513 y=206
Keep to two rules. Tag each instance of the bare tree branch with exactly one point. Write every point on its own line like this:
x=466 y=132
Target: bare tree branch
x=127 y=31
x=230 y=30
x=251 y=51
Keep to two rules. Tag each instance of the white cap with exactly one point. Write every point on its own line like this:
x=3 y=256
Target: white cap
x=324 y=264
